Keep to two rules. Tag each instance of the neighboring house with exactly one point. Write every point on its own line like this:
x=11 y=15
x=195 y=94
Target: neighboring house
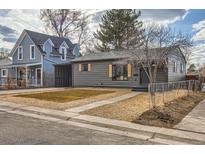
x=4 y=72
x=40 y=60
x=108 y=69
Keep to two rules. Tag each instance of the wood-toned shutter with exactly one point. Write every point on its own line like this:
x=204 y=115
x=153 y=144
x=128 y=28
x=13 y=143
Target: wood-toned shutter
x=110 y=70
x=129 y=70
x=80 y=67
x=89 y=67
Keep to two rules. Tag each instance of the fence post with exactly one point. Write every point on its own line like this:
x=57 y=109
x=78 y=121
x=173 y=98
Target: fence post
x=163 y=92
x=150 y=95
x=189 y=86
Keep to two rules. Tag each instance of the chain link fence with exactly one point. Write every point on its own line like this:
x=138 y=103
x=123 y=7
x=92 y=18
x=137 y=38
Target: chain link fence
x=160 y=93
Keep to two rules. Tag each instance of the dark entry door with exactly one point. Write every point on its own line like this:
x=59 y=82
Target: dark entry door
x=63 y=76
x=144 y=80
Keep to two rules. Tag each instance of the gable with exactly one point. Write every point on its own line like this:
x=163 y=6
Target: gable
x=178 y=55
x=24 y=36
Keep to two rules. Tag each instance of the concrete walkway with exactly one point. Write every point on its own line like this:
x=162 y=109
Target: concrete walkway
x=101 y=103
x=17 y=91
x=195 y=120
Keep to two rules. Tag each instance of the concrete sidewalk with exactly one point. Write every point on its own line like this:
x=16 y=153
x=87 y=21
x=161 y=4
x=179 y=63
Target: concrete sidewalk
x=123 y=128
x=17 y=91
x=195 y=120
x=101 y=103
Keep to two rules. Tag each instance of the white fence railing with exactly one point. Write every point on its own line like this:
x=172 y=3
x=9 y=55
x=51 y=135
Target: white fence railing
x=11 y=83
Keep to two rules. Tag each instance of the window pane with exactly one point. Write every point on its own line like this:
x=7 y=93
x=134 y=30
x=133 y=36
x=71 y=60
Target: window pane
x=20 y=52
x=119 y=72
x=32 y=51
x=63 y=57
x=84 y=67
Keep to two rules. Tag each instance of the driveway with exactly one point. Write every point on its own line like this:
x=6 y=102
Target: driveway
x=17 y=129
x=195 y=120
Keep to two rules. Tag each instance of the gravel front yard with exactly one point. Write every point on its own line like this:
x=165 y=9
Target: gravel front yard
x=131 y=109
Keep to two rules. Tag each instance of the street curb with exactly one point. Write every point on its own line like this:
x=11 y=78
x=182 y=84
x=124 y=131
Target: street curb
x=163 y=134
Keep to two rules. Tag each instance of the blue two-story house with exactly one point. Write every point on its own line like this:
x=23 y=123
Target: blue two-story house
x=40 y=60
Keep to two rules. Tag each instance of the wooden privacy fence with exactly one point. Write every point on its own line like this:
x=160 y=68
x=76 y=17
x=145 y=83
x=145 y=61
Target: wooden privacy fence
x=160 y=93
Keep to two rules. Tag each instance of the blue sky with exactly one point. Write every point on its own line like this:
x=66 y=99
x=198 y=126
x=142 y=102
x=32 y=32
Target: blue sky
x=12 y=23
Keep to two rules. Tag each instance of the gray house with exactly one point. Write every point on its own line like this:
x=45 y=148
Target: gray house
x=106 y=69
x=40 y=60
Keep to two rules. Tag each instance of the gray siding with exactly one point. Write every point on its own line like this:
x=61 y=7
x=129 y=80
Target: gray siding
x=25 y=43
x=47 y=47
x=176 y=76
x=98 y=76
x=48 y=74
x=162 y=75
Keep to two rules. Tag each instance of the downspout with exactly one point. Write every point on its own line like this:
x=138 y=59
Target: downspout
x=42 y=70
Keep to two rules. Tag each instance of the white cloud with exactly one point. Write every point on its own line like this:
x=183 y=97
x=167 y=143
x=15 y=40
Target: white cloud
x=163 y=16
x=29 y=19
x=199 y=28
x=198 y=56
x=19 y=20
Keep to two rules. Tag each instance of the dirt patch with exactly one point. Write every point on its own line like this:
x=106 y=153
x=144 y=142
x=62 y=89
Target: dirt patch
x=59 y=105
x=171 y=113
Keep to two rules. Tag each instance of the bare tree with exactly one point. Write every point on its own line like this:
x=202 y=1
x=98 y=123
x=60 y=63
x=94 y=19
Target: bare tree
x=158 y=43
x=67 y=23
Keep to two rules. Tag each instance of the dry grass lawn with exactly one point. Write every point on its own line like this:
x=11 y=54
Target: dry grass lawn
x=66 y=95
x=131 y=109
x=64 y=99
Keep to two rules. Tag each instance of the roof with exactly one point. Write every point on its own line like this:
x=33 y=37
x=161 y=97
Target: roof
x=112 y=55
x=194 y=73
x=40 y=38
x=5 y=61
x=100 y=56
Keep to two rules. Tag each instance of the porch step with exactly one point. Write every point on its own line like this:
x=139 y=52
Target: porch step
x=141 y=89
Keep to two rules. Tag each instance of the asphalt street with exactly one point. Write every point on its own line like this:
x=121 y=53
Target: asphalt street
x=17 y=129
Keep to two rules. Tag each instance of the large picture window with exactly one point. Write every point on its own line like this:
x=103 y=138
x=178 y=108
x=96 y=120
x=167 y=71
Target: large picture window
x=119 y=73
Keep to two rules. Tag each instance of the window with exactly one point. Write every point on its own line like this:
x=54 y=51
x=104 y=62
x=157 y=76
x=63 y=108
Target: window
x=119 y=73
x=174 y=67
x=85 y=67
x=63 y=52
x=20 y=53
x=32 y=52
x=4 y=72
x=181 y=68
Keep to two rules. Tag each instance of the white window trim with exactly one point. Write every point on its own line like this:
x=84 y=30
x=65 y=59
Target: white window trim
x=49 y=41
x=64 y=44
x=65 y=53
x=6 y=75
x=21 y=53
x=31 y=52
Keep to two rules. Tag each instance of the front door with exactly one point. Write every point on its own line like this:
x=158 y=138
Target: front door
x=63 y=76
x=144 y=80
x=38 y=76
